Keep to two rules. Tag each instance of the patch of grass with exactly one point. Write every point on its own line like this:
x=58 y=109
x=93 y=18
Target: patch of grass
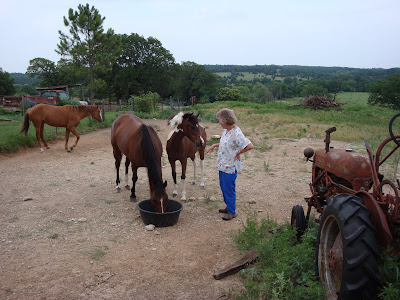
x=267 y=168
x=53 y=236
x=263 y=146
x=389 y=274
x=285 y=269
x=110 y=201
x=96 y=253
x=252 y=232
x=13 y=219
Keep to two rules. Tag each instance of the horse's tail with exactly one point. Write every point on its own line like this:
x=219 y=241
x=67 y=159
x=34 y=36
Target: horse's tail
x=25 y=125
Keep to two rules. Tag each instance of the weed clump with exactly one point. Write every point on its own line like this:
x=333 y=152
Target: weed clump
x=285 y=268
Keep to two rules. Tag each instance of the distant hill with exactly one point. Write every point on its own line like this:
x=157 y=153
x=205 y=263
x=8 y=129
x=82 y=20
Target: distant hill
x=301 y=71
x=21 y=78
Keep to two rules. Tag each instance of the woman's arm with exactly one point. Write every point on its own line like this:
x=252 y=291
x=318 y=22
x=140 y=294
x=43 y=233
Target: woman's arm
x=211 y=148
x=245 y=149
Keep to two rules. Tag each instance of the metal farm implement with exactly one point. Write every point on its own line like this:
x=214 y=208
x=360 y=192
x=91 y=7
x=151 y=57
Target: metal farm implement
x=359 y=215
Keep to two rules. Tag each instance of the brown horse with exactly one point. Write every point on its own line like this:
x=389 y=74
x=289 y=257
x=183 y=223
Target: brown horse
x=67 y=116
x=142 y=147
x=185 y=140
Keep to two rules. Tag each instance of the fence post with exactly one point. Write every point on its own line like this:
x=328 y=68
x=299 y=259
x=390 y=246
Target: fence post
x=102 y=111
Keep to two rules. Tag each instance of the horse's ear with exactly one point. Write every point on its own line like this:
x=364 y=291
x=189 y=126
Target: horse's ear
x=165 y=184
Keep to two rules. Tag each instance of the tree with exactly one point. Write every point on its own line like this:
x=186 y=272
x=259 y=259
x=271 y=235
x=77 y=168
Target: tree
x=386 y=92
x=312 y=89
x=195 y=80
x=228 y=94
x=143 y=65
x=261 y=93
x=6 y=83
x=87 y=46
x=44 y=69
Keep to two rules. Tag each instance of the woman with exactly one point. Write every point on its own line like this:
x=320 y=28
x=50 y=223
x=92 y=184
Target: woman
x=231 y=145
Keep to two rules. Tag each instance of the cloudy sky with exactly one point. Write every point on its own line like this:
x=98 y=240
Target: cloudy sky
x=344 y=33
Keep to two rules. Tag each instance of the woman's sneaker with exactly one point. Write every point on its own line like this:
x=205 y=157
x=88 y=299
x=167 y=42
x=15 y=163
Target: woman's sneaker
x=228 y=216
x=223 y=211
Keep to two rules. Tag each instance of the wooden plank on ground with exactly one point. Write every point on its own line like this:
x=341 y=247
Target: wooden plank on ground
x=237 y=266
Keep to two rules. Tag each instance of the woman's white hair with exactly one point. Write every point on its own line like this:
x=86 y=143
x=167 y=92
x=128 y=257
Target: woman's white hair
x=226 y=116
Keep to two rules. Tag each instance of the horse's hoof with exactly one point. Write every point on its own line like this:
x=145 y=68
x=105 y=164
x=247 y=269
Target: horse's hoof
x=128 y=187
x=174 y=195
x=47 y=147
x=41 y=150
x=193 y=183
x=133 y=199
x=202 y=187
x=69 y=151
x=118 y=190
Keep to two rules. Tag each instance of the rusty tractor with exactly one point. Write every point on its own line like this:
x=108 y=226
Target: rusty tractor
x=358 y=215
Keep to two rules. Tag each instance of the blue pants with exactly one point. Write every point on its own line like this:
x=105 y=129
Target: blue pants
x=227 y=182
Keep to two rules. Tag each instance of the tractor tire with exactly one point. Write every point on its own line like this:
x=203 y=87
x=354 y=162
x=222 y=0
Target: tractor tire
x=298 y=220
x=347 y=256
x=392 y=135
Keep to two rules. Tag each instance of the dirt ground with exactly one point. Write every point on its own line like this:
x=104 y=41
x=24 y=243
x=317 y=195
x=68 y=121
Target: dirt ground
x=65 y=233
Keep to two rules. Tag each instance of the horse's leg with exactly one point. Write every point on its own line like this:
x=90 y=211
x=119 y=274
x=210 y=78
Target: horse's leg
x=183 y=179
x=118 y=157
x=41 y=135
x=73 y=130
x=194 y=170
x=202 y=173
x=134 y=179
x=127 y=162
x=201 y=152
x=173 y=167
x=66 y=139
x=38 y=137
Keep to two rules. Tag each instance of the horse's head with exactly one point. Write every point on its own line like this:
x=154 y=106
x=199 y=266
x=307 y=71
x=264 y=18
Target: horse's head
x=190 y=128
x=96 y=113
x=158 y=196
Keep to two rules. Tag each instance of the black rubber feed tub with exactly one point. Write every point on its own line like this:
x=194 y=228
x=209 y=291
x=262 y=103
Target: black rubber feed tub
x=168 y=218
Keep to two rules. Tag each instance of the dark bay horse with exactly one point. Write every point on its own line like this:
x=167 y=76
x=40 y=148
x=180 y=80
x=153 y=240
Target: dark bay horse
x=68 y=116
x=184 y=141
x=142 y=148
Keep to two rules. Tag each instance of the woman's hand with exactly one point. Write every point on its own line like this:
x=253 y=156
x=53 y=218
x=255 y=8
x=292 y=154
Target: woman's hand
x=211 y=148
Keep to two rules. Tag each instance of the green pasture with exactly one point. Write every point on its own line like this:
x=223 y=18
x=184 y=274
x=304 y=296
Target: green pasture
x=355 y=122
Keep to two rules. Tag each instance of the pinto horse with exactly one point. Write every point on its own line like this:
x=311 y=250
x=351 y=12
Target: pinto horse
x=142 y=148
x=185 y=140
x=67 y=116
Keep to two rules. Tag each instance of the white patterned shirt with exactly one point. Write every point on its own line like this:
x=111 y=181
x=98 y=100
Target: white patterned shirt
x=230 y=144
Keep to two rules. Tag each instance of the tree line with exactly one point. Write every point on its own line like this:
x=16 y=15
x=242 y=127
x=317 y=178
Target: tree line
x=118 y=66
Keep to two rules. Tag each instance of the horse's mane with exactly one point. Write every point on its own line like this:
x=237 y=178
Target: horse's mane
x=150 y=157
x=176 y=120
x=80 y=108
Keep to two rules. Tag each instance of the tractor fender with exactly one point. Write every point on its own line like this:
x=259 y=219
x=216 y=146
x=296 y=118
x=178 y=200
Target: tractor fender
x=378 y=218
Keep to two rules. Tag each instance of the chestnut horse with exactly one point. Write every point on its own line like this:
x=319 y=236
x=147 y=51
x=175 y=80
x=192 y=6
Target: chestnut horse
x=142 y=148
x=185 y=140
x=67 y=116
